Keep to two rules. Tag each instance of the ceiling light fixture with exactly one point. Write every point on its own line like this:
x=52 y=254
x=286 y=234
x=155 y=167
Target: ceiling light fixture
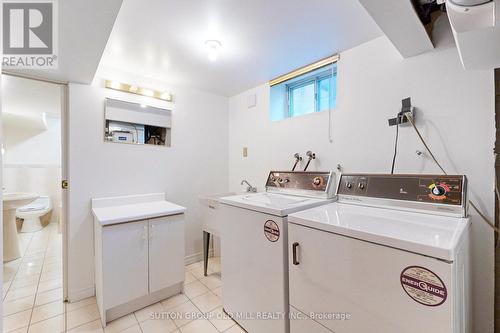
x=213 y=47
x=129 y=88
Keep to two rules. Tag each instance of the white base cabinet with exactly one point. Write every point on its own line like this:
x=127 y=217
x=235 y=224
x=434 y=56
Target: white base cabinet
x=138 y=263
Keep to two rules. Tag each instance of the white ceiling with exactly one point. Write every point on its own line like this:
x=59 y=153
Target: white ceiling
x=84 y=28
x=261 y=39
x=23 y=96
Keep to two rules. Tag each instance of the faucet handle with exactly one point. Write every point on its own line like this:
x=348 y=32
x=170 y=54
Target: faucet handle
x=250 y=188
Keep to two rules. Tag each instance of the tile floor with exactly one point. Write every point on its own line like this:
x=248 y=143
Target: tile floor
x=32 y=288
x=32 y=295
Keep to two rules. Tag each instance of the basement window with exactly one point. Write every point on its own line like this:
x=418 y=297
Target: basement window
x=304 y=94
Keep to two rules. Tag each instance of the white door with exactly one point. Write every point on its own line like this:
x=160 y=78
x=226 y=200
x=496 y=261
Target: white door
x=335 y=276
x=166 y=252
x=125 y=262
x=254 y=269
x=63 y=219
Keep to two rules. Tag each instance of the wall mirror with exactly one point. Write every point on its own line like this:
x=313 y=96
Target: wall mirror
x=134 y=123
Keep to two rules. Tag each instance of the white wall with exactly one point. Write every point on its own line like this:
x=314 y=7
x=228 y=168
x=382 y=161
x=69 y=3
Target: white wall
x=33 y=147
x=455 y=115
x=195 y=164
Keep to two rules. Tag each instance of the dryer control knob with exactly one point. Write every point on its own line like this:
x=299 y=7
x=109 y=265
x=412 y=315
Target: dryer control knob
x=438 y=190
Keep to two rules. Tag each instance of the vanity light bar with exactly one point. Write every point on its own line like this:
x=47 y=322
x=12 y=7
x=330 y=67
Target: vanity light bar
x=305 y=69
x=130 y=88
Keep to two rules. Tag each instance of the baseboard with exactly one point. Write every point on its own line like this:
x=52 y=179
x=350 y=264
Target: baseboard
x=78 y=295
x=192 y=258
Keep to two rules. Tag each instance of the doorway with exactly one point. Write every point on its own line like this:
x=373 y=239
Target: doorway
x=34 y=167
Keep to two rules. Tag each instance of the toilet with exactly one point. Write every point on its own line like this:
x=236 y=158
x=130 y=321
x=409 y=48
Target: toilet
x=32 y=212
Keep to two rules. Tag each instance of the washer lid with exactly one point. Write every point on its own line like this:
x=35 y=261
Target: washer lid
x=430 y=235
x=272 y=203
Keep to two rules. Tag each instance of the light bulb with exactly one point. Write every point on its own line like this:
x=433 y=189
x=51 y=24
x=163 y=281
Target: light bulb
x=166 y=96
x=147 y=92
x=115 y=85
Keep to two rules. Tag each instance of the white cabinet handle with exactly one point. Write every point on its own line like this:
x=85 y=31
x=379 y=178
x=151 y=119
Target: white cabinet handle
x=151 y=231
x=145 y=232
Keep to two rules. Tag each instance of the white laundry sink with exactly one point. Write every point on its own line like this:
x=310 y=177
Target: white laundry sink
x=275 y=200
x=12 y=201
x=210 y=207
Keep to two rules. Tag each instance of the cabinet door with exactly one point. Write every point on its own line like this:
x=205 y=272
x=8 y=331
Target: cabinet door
x=125 y=262
x=166 y=252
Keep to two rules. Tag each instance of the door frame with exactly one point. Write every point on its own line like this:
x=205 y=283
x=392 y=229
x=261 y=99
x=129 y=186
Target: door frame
x=64 y=214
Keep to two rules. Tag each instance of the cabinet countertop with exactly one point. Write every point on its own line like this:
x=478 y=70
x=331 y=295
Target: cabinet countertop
x=136 y=211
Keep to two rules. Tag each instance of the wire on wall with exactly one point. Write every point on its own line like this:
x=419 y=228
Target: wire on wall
x=473 y=205
x=395 y=149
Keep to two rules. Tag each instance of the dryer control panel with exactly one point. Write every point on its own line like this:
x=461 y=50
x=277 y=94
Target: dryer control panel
x=446 y=193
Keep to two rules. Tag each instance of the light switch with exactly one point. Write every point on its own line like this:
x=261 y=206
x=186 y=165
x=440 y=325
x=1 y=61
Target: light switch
x=245 y=151
x=251 y=100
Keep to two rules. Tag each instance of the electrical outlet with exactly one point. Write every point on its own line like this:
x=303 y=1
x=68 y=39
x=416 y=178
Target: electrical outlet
x=245 y=151
x=401 y=117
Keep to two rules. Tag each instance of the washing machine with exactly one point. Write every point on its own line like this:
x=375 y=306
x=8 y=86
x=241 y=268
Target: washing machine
x=391 y=255
x=254 y=247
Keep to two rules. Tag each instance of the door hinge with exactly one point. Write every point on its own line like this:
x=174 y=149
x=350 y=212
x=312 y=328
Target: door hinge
x=64 y=184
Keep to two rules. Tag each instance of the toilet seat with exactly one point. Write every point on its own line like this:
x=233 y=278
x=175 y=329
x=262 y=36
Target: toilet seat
x=31 y=207
x=32 y=212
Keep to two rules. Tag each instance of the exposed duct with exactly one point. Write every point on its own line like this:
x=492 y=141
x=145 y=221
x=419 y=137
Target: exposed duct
x=426 y=9
x=476 y=31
